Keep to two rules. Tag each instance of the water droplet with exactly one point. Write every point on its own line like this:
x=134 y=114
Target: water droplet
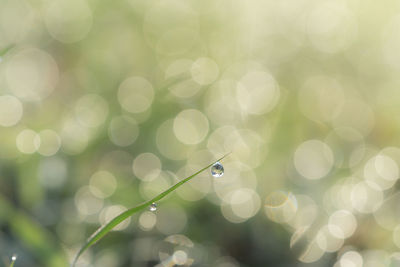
x=217 y=170
x=153 y=207
x=14 y=257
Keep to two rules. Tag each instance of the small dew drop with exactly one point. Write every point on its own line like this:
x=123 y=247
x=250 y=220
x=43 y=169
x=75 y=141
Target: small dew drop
x=14 y=257
x=153 y=207
x=217 y=170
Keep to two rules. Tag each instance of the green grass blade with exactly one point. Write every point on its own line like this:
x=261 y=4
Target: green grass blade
x=102 y=231
x=13 y=259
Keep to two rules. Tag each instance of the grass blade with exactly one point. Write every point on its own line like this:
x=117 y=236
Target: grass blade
x=102 y=231
x=13 y=259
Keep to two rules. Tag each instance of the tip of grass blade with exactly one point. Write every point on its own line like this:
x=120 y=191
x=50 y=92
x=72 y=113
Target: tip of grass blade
x=13 y=259
x=103 y=230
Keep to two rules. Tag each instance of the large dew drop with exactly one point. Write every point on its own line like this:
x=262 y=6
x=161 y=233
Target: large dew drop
x=153 y=207
x=217 y=170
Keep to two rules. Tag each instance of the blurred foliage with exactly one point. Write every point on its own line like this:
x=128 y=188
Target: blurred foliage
x=104 y=105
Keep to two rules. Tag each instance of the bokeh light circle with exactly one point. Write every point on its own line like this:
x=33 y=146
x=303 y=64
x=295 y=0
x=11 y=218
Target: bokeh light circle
x=168 y=144
x=342 y=224
x=280 y=206
x=351 y=259
x=204 y=71
x=190 y=126
x=147 y=220
x=313 y=159
x=68 y=21
x=11 y=110
x=135 y=94
x=31 y=74
x=50 y=142
x=183 y=87
x=103 y=184
x=28 y=141
x=257 y=92
x=146 y=166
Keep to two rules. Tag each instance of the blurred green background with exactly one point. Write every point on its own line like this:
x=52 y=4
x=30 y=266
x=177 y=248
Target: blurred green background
x=105 y=104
